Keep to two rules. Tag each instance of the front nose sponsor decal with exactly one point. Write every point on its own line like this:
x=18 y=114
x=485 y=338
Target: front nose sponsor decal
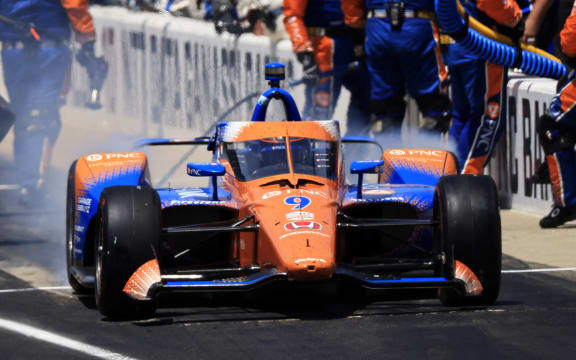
x=299 y=215
x=298 y=202
x=297 y=225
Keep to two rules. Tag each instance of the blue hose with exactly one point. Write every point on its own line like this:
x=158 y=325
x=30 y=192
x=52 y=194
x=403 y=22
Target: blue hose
x=491 y=50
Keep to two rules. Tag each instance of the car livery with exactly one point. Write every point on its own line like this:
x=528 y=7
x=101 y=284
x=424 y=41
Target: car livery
x=277 y=208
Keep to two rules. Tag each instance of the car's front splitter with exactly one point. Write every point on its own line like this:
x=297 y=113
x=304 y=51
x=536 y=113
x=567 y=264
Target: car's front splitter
x=191 y=283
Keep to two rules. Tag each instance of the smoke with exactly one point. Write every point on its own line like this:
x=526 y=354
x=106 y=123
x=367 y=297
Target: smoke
x=33 y=236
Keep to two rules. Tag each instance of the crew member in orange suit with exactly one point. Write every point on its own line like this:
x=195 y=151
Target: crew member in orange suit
x=35 y=57
x=478 y=88
x=321 y=43
x=557 y=131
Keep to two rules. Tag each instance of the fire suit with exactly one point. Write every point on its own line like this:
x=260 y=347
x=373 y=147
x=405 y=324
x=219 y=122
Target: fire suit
x=35 y=62
x=478 y=90
x=317 y=26
x=401 y=53
x=558 y=131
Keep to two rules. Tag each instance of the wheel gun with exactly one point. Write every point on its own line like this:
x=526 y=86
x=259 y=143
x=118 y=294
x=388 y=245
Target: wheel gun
x=97 y=68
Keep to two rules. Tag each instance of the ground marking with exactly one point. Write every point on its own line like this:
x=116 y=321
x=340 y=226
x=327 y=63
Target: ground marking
x=59 y=340
x=538 y=270
x=44 y=288
x=9 y=187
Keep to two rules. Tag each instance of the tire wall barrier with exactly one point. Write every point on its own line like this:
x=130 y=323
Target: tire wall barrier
x=519 y=153
x=173 y=77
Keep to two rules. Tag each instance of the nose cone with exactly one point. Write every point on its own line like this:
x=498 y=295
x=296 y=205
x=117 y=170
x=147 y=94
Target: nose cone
x=307 y=269
x=298 y=233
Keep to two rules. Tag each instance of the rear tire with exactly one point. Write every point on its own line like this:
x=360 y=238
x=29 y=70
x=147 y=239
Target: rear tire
x=470 y=232
x=70 y=222
x=128 y=236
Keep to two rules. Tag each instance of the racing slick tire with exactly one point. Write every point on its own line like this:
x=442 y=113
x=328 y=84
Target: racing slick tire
x=470 y=231
x=78 y=287
x=128 y=236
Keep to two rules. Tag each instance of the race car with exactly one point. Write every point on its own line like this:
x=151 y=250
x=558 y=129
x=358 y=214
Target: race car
x=277 y=209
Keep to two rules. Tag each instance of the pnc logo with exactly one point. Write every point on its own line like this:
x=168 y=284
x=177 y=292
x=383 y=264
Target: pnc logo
x=398 y=152
x=94 y=157
x=486 y=134
x=98 y=157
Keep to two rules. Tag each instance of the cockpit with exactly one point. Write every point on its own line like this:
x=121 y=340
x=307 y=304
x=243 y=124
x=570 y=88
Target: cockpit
x=260 y=158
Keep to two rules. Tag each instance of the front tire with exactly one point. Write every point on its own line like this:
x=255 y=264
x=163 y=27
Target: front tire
x=470 y=232
x=128 y=236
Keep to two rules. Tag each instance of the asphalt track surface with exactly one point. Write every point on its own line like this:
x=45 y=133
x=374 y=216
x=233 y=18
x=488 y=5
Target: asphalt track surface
x=535 y=316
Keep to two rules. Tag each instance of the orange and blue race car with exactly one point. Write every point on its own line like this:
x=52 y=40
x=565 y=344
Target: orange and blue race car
x=278 y=209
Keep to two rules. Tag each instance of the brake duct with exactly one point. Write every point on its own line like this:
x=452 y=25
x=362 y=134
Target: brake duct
x=493 y=46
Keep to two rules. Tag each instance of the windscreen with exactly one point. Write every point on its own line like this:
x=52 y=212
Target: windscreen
x=255 y=159
x=314 y=157
x=260 y=158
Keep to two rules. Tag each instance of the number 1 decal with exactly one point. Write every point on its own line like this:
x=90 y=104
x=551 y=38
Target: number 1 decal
x=299 y=202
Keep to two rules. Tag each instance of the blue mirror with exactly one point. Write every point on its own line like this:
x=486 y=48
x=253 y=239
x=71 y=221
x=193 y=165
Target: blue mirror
x=206 y=169
x=366 y=166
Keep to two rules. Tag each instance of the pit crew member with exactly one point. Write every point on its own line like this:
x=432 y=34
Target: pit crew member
x=401 y=53
x=557 y=131
x=322 y=42
x=478 y=89
x=35 y=58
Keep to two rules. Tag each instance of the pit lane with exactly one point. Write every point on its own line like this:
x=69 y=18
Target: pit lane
x=535 y=316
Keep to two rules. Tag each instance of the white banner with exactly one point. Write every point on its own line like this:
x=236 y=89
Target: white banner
x=175 y=76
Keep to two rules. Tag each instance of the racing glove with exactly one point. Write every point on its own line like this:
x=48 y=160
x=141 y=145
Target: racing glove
x=309 y=66
x=86 y=53
x=97 y=68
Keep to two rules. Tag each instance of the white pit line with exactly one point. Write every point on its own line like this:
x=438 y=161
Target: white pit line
x=538 y=270
x=61 y=341
x=43 y=288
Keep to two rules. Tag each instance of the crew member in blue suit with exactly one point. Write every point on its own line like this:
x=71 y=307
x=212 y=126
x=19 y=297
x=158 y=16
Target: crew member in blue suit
x=478 y=89
x=321 y=43
x=401 y=53
x=557 y=131
x=35 y=58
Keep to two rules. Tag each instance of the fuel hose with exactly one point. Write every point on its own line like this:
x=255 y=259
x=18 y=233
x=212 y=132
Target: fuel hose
x=492 y=46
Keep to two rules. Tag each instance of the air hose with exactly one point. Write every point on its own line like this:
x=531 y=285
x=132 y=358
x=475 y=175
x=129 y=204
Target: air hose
x=492 y=46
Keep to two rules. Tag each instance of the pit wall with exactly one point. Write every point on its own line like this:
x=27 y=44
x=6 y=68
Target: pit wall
x=173 y=77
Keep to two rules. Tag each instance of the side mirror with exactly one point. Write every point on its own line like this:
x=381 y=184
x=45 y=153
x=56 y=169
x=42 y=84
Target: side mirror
x=207 y=169
x=364 y=167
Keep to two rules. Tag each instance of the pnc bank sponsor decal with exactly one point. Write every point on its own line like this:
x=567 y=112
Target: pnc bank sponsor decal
x=297 y=225
x=302 y=193
x=399 y=152
x=111 y=156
